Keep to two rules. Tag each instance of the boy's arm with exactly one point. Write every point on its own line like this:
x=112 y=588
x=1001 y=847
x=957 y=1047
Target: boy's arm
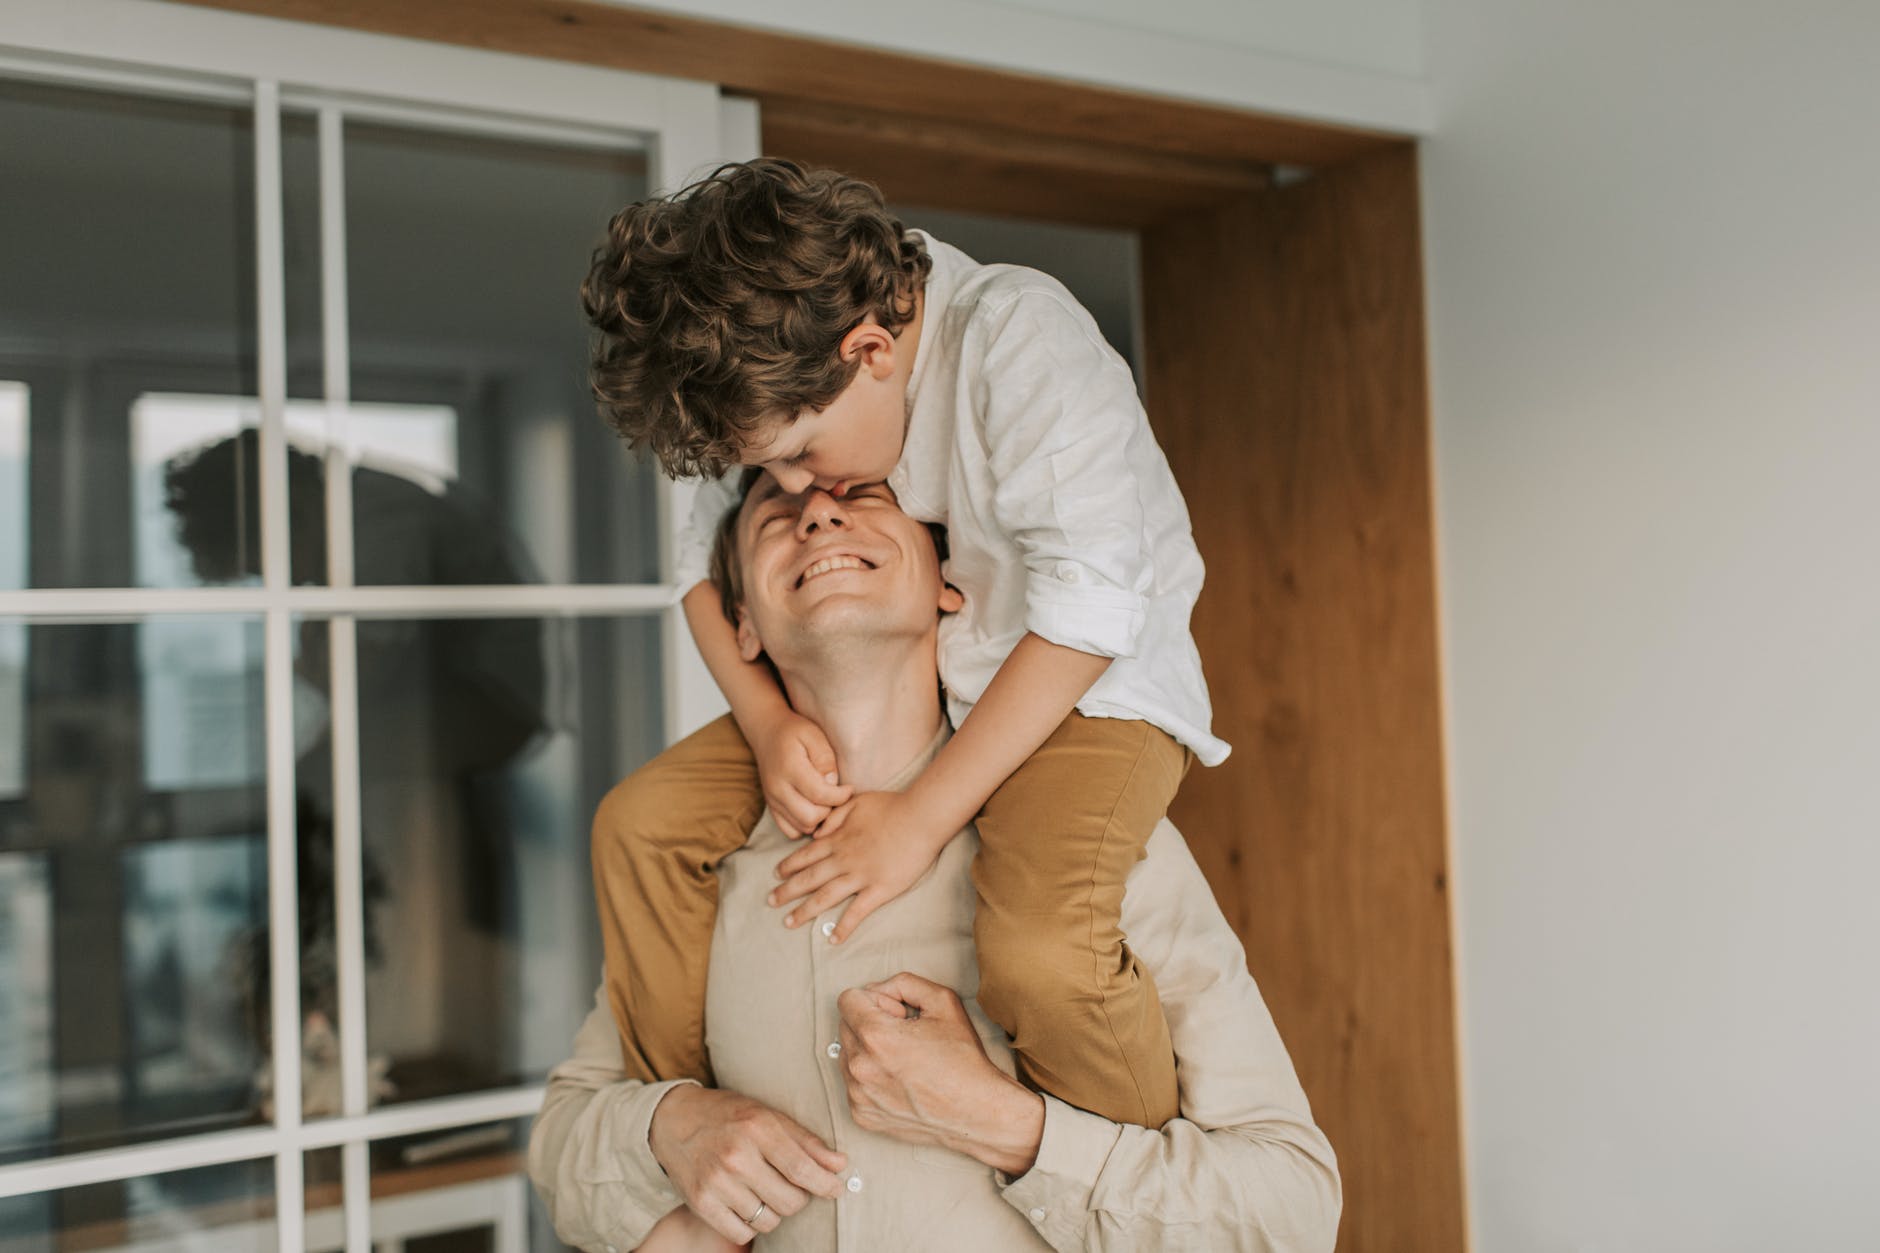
x=1033 y=692
x=877 y=846
x=794 y=759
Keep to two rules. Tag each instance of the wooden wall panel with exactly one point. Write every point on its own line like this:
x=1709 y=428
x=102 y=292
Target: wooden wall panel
x=1285 y=372
x=767 y=65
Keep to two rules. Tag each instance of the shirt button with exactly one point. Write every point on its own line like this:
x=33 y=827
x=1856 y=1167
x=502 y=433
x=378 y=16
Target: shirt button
x=1036 y=1215
x=1067 y=572
x=834 y=1049
x=855 y=1183
x=829 y=928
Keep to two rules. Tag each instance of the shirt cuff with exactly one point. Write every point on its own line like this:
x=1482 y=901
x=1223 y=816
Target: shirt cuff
x=1055 y=1194
x=1066 y=605
x=644 y=1187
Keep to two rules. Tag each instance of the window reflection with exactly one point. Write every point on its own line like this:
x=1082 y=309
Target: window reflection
x=192 y=912
x=133 y=887
x=26 y=1100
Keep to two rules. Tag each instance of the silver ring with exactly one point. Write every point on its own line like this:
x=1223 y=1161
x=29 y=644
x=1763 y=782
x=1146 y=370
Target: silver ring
x=756 y=1213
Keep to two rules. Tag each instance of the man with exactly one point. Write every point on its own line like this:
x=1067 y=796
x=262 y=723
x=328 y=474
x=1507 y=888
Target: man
x=860 y=1104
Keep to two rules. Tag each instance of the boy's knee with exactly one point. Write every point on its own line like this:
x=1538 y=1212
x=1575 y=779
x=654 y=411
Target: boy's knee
x=1029 y=965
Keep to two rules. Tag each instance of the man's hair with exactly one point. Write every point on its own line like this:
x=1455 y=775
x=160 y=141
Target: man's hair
x=727 y=567
x=727 y=301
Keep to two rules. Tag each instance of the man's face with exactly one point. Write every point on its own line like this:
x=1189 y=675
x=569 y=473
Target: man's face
x=815 y=566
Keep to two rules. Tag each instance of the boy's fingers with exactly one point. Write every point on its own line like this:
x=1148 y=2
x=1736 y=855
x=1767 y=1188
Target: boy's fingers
x=833 y=823
x=864 y=904
x=802 y=883
x=804 y=814
x=826 y=897
x=808 y=855
x=820 y=754
x=823 y=789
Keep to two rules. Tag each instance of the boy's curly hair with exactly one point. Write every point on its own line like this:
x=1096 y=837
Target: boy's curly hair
x=726 y=302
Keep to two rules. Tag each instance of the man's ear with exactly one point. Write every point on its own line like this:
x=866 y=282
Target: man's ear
x=950 y=598
x=749 y=646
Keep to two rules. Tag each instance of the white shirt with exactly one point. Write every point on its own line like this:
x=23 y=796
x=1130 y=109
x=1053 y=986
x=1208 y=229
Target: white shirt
x=1027 y=440
x=1243 y=1168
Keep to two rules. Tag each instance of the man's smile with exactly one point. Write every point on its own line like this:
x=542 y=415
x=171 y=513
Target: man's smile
x=830 y=564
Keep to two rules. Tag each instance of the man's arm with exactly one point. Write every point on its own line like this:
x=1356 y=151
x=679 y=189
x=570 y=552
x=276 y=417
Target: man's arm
x=1245 y=1168
x=611 y=1157
x=589 y=1154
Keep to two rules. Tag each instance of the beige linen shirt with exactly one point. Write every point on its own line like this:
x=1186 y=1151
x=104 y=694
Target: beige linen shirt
x=1243 y=1168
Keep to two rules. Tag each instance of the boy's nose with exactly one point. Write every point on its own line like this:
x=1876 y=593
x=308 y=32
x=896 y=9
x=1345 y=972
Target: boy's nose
x=794 y=480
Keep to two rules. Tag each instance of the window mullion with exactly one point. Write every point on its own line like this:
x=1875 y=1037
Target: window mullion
x=276 y=576
x=343 y=684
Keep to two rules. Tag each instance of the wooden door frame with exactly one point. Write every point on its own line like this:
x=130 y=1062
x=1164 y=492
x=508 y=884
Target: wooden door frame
x=1285 y=372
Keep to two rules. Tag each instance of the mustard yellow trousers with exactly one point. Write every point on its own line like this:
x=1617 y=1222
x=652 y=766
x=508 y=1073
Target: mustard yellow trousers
x=1057 y=841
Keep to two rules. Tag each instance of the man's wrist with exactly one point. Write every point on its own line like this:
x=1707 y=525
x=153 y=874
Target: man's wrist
x=1012 y=1133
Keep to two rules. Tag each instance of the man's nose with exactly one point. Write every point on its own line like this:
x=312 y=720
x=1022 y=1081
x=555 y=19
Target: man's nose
x=820 y=511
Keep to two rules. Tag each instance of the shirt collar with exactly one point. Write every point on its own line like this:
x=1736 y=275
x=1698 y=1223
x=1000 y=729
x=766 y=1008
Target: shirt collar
x=941 y=281
x=905 y=777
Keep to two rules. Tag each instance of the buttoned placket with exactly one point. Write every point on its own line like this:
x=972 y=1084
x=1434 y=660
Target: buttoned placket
x=825 y=961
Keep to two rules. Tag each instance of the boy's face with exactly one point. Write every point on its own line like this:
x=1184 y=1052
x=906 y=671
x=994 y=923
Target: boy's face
x=856 y=439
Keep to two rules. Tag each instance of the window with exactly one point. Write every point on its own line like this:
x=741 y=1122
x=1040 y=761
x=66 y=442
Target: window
x=328 y=611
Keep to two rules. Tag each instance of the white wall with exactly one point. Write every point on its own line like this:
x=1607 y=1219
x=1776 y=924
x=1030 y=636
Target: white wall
x=1353 y=61
x=1654 y=249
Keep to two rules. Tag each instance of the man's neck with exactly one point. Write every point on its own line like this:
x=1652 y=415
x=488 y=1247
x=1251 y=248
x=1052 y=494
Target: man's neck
x=878 y=711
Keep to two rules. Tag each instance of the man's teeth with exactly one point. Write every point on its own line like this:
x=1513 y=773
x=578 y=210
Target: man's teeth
x=832 y=563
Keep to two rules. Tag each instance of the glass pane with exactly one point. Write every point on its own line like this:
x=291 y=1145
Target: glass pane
x=325 y=1229
x=127 y=241
x=452 y=1191
x=465 y=259
x=227 y=1208
x=460 y=1190
x=133 y=886
x=485 y=746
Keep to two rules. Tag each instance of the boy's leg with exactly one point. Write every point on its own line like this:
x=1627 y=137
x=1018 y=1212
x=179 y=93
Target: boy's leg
x=658 y=837
x=1056 y=842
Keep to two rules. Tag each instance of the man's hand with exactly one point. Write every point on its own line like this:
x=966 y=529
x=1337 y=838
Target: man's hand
x=916 y=1071
x=798 y=770
x=872 y=848
x=726 y=1153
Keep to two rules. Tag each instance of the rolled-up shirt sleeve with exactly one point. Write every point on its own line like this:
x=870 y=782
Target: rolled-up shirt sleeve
x=589 y=1155
x=1060 y=418
x=692 y=563
x=1245 y=1167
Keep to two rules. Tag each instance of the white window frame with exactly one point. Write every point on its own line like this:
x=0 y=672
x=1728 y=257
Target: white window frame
x=146 y=47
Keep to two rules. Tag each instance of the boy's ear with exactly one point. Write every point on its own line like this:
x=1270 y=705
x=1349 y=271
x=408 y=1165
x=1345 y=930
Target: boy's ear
x=871 y=342
x=750 y=648
x=950 y=598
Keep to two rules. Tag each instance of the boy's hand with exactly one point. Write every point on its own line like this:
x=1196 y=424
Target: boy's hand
x=872 y=848
x=798 y=770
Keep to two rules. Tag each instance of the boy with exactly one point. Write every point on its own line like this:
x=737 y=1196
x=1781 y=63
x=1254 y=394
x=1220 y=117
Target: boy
x=780 y=318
